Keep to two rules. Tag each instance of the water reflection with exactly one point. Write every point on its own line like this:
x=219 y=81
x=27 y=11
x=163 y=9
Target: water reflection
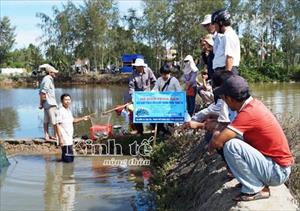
x=9 y=122
x=42 y=183
x=281 y=98
x=60 y=186
x=68 y=187
x=20 y=116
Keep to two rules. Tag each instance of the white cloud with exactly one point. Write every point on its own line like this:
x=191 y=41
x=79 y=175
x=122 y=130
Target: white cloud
x=24 y=38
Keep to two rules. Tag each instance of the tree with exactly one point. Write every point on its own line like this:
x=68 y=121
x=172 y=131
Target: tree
x=7 y=38
x=268 y=30
x=134 y=25
x=97 y=18
x=290 y=32
x=186 y=29
x=29 y=58
x=61 y=35
x=272 y=25
x=155 y=27
x=34 y=57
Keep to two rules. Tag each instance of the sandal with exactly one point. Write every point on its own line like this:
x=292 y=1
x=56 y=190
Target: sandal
x=239 y=185
x=230 y=175
x=263 y=194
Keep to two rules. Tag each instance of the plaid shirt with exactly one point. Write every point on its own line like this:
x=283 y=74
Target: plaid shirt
x=141 y=81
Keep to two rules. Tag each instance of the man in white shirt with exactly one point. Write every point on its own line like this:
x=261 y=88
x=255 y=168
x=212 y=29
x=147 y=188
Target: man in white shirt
x=65 y=128
x=227 y=56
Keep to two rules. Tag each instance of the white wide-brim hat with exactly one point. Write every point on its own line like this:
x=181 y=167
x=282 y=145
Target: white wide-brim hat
x=48 y=68
x=139 y=63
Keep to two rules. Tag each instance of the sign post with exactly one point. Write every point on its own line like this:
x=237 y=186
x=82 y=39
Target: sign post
x=159 y=107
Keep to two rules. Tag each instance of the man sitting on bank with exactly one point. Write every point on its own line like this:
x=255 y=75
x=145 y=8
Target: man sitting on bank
x=255 y=147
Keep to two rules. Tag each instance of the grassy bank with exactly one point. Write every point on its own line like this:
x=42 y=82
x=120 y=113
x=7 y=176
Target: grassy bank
x=265 y=73
x=269 y=73
x=186 y=178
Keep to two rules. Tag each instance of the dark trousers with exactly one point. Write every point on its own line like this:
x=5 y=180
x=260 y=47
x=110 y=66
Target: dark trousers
x=191 y=102
x=207 y=137
x=67 y=154
x=139 y=127
x=234 y=69
x=160 y=128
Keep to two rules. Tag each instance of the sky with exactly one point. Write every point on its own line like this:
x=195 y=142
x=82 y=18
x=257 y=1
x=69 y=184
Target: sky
x=22 y=15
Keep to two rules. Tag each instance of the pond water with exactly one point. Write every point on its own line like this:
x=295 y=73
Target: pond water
x=43 y=183
x=20 y=116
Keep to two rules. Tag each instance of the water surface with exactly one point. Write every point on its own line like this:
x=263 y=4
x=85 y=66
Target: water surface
x=20 y=116
x=42 y=183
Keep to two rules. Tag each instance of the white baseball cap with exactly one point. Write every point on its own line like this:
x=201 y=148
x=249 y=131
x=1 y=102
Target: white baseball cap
x=207 y=20
x=139 y=63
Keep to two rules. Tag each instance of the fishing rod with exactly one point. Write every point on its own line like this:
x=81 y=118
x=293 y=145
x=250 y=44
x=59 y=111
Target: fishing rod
x=116 y=108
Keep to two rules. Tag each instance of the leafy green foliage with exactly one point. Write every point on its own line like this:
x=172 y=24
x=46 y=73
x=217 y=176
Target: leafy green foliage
x=7 y=38
x=29 y=58
x=268 y=30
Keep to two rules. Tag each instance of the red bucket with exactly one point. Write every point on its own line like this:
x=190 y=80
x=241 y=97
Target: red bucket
x=97 y=131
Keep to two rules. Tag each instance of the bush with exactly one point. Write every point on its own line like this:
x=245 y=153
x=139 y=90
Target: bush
x=252 y=74
x=295 y=73
x=266 y=73
x=3 y=77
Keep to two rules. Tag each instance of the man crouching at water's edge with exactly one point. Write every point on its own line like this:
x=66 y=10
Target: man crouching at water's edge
x=254 y=144
x=65 y=127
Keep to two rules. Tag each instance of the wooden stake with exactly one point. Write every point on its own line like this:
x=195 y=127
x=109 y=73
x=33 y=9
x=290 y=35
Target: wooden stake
x=155 y=135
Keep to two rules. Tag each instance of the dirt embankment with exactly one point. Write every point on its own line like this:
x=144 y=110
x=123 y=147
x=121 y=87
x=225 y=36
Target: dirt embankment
x=94 y=79
x=101 y=79
x=29 y=146
x=116 y=144
x=186 y=178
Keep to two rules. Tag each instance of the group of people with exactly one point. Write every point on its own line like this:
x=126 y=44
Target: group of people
x=242 y=129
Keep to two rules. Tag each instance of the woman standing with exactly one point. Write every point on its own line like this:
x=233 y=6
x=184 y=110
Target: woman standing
x=166 y=83
x=190 y=75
